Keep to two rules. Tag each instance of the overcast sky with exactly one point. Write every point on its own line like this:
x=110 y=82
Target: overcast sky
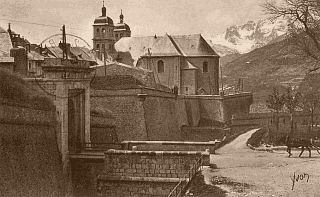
x=145 y=17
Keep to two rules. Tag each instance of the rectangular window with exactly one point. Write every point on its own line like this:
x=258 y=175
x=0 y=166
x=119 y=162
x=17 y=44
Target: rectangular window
x=187 y=90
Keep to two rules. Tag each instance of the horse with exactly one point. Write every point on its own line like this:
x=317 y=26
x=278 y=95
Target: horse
x=291 y=142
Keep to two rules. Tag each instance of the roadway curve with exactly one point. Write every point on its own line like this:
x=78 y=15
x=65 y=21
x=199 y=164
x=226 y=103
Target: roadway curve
x=240 y=171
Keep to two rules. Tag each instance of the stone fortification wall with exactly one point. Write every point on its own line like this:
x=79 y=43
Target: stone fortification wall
x=144 y=173
x=30 y=157
x=221 y=108
x=149 y=114
x=143 y=114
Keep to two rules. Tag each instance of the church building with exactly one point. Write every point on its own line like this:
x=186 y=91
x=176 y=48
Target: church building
x=106 y=33
x=186 y=62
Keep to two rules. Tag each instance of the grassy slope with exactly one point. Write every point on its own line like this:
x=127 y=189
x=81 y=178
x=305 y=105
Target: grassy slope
x=14 y=89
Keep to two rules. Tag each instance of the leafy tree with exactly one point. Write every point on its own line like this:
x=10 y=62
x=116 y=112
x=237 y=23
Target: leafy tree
x=304 y=25
x=275 y=103
x=291 y=102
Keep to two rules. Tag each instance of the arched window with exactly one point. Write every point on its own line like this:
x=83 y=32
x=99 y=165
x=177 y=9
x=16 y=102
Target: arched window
x=205 y=67
x=103 y=48
x=98 y=30
x=98 y=46
x=103 y=30
x=160 y=66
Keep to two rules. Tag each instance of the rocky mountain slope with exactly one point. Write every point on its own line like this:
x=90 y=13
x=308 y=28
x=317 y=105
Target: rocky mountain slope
x=247 y=37
x=264 y=68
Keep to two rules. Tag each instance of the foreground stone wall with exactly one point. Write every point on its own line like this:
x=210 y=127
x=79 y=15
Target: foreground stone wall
x=135 y=187
x=144 y=173
x=171 y=164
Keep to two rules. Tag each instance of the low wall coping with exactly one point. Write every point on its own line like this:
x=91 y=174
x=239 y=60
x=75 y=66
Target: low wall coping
x=129 y=152
x=171 y=142
x=138 y=179
x=217 y=97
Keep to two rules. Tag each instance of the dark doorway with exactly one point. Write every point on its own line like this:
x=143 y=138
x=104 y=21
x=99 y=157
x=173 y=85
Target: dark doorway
x=76 y=120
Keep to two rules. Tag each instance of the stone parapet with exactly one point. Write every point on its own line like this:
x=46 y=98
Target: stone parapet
x=164 y=164
x=170 y=146
x=147 y=173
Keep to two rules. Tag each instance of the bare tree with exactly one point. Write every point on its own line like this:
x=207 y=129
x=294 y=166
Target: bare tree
x=304 y=25
x=275 y=103
x=291 y=102
x=310 y=102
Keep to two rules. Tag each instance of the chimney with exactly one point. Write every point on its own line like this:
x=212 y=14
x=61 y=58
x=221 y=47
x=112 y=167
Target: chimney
x=65 y=47
x=20 y=60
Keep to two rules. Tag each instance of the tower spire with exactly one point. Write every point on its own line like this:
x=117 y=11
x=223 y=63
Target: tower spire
x=121 y=17
x=104 y=9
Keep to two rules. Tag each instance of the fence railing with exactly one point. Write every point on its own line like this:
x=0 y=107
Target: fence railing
x=185 y=180
x=100 y=146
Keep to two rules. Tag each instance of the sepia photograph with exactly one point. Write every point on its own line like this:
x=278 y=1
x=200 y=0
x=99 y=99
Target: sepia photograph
x=155 y=98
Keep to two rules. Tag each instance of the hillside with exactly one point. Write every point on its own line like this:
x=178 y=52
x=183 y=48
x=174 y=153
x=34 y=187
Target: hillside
x=263 y=68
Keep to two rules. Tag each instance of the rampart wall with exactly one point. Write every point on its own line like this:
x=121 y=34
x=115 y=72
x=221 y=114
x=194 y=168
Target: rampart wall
x=29 y=153
x=148 y=114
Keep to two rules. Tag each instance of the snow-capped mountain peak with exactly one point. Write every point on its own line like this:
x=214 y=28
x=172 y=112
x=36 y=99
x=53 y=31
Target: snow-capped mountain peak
x=247 y=37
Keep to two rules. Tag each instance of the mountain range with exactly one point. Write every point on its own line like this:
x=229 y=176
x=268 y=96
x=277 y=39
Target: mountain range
x=258 y=53
x=247 y=37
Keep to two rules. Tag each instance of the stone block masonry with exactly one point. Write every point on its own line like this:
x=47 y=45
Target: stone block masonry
x=144 y=173
x=170 y=146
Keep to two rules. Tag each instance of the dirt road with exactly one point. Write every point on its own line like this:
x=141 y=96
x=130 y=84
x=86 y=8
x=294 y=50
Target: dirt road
x=241 y=171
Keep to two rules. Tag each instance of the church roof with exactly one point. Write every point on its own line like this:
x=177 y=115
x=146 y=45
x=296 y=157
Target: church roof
x=164 y=47
x=121 y=27
x=182 y=45
x=135 y=47
x=193 y=45
x=103 y=20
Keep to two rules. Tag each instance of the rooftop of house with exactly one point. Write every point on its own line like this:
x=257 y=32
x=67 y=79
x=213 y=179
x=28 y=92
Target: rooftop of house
x=5 y=43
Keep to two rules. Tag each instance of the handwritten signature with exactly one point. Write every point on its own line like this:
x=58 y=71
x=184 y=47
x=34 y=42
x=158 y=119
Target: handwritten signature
x=299 y=177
